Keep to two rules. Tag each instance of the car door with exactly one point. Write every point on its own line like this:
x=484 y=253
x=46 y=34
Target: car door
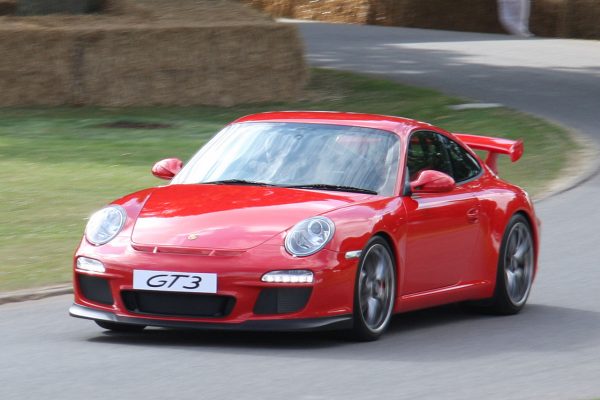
x=442 y=228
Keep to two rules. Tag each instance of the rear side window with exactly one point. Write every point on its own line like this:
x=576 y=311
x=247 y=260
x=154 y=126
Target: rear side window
x=464 y=166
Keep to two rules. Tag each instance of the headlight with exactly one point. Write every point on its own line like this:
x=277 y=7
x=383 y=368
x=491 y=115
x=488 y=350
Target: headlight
x=105 y=224
x=309 y=236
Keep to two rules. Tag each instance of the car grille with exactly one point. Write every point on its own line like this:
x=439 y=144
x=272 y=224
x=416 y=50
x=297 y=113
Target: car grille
x=177 y=304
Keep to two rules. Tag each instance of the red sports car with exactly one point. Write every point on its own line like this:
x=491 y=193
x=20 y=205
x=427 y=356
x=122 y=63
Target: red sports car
x=312 y=220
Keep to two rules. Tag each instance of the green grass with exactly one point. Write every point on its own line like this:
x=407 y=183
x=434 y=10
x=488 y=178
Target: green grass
x=57 y=165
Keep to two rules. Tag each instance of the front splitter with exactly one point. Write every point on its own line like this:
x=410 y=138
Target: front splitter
x=279 y=325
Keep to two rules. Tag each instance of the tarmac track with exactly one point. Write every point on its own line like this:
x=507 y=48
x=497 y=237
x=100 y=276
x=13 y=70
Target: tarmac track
x=549 y=351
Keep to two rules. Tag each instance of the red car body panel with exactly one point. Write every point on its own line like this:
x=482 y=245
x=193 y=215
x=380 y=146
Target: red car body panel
x=445 y=245
x=228 y=217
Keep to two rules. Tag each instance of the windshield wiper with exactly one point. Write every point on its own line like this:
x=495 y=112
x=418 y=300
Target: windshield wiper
x=236 y=182
x=339 y=188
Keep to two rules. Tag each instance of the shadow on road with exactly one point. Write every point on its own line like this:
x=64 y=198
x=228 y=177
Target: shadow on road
x=441 y=334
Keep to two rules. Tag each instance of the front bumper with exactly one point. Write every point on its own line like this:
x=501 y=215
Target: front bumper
x=328 y=306
x=281 y=325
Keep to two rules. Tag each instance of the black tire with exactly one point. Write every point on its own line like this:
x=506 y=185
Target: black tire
x=117 y=327
x=382 y=290
x=503 y=302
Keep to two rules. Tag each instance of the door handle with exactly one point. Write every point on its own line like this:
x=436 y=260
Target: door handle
x=473 y=215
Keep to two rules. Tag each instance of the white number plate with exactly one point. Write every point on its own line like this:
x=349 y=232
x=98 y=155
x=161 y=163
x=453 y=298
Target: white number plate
x=168 y=281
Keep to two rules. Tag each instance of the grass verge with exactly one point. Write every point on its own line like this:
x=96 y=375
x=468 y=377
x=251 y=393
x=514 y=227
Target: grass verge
x=57 y=165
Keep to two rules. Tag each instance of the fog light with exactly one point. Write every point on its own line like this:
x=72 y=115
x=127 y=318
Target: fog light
x=89 y=264
x=292 y=276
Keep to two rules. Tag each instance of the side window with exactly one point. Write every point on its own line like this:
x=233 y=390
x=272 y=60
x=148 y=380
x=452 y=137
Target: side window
x=464 y=165
x=427 y=150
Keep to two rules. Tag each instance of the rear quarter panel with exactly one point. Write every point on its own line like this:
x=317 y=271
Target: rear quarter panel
x=500 y=201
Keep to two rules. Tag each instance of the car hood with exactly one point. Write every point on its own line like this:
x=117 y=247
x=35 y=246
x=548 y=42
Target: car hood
x=228 y=217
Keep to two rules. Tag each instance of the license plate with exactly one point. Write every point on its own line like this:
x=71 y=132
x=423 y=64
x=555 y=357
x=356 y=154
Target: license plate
x=168 y=281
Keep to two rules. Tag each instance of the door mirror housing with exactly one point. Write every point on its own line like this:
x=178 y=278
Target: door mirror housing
x=167 y=168
x=430 y=181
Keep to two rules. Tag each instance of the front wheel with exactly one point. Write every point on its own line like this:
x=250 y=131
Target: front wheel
x=117 y=327
x=375 y=291
x=515 y=268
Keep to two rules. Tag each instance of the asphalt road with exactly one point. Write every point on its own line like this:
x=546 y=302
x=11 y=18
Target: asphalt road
x=549 y=351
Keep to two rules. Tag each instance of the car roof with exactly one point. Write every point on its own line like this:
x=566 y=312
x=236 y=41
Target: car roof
x=398 y=125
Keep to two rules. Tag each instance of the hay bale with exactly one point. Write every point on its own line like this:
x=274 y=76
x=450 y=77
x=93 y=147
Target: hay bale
x=349 y=11
x=566 y=18
x=547 y=17
x=276 y=8
x=562 y=18
x=180 y=52
x=7 y=7
x=463 y=15
x=460 y=15
x=217 y=66
x=45 y=7
x=125 y=7
x=34 y=68
x=150 y=65
x=581 y=19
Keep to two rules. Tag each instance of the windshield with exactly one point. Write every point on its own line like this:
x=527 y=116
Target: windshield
x=298 y=154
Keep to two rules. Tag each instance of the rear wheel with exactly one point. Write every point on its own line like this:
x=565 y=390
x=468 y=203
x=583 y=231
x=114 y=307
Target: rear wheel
x=375 y=291
x=515 y=268
x=117 y=327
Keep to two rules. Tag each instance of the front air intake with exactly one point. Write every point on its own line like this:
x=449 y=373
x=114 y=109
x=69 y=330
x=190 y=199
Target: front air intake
x=282 y=300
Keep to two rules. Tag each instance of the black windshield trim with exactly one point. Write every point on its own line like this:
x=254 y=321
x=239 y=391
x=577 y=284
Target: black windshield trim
x=337 y=188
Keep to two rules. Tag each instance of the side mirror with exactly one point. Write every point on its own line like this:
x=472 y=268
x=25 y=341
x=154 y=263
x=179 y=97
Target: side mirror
x=167 y=168
x=430 y=181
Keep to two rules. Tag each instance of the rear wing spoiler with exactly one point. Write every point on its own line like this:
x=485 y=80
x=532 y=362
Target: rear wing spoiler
x=494 y=146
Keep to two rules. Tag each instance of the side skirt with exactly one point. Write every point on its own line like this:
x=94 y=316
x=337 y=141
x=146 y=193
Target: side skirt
x=450 y=294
